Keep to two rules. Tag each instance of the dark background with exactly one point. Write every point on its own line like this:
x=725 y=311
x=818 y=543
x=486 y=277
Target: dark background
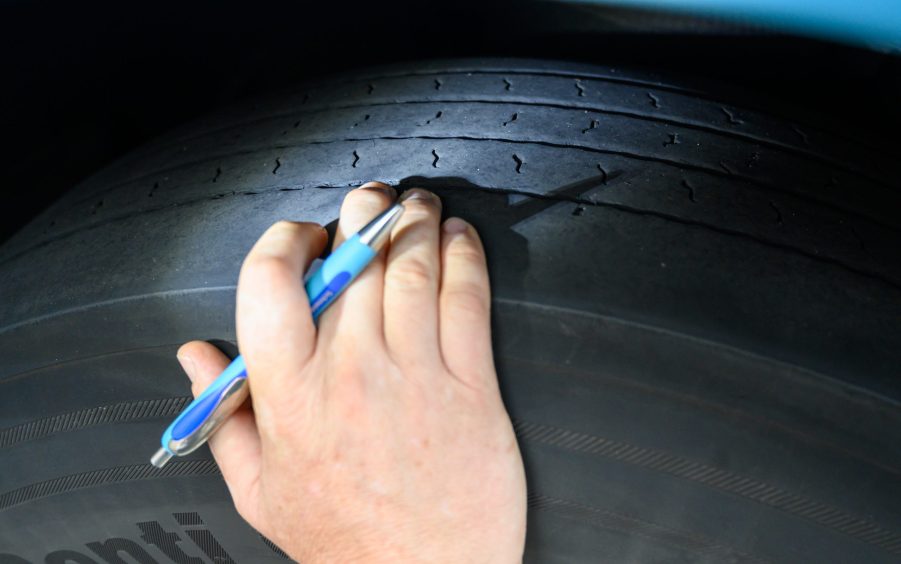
x=83 y=83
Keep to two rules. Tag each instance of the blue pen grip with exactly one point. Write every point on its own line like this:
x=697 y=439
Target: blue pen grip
x=336 y=273
x=323 y=287
x=199 y=410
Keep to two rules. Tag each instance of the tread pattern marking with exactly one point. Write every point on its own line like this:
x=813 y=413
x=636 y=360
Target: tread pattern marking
x=106 y=476
x=101 y=415
x=711 y=476
x=188 y=519
x=274 y=548
x=681 y=467
x=695 y=544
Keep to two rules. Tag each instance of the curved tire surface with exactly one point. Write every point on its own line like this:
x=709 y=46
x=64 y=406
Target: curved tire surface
x=696 y=313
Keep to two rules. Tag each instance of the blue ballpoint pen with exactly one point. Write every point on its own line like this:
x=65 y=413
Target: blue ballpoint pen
x=209 y=410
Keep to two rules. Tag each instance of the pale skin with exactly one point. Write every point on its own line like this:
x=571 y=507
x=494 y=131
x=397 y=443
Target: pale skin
x=379 y=436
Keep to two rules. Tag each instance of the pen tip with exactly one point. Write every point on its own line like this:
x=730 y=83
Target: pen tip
x=160 y=458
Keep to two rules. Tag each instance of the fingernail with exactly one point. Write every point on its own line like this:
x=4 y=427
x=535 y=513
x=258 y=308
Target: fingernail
x=418 y=194
x=455 y=225
x=378 y=186
x=187 y=364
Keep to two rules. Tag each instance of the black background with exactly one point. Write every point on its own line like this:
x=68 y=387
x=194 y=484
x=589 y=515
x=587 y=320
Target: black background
x=83 y=83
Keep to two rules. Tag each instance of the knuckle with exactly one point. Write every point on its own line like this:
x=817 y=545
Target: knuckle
x=266 y=267
x=469 y=299
x=283 y=225
x=272 y=423
x=410 y=274
x=420 y=209
x=467 y=253
x=263 y=275
x=278 y=430
x=241 y=504
x=281 y=233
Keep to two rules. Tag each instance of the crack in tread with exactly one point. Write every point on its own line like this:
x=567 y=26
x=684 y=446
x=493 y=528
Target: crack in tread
x=579 y=88
x=603 y=172
x=691 y=190
x=859 y=239
x=779 y=220
x=804 y=139
x=438 y=115
x=730 y=116
x=672 y=139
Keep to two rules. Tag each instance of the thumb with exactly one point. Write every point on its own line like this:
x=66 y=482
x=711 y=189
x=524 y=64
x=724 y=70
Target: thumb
x=236 y=444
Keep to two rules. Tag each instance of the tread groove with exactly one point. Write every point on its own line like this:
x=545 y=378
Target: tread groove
x=621 y=207
x=730 y=133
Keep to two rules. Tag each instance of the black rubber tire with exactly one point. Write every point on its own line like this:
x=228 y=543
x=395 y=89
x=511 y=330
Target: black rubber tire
x=696 y=306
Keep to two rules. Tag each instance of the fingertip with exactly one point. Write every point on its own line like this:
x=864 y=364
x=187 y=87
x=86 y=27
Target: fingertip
x=284 y=251
x=283 y=234
x=454 y=226
x=461 y=243
x=202 y=362
x=465 y=302
x=274 y=325
x=381 y=187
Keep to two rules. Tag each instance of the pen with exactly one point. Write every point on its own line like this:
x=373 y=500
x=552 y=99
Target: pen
x=200 y=419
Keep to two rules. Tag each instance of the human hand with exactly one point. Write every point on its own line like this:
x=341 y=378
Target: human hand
x=382 y=436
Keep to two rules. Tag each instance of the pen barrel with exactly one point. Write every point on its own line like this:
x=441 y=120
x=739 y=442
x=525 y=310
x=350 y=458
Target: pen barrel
x=203 y=415
x=336 y=273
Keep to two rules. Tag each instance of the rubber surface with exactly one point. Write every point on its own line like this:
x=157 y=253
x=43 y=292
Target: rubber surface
x=697 y=313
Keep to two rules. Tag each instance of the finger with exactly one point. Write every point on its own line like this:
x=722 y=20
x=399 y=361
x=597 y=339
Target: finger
x=362 y=299
x=236 y=444
x=465 y=304
x=275 y=329
x=412 y=273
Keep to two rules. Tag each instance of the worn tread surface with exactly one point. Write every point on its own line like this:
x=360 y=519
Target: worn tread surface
x=697 y=309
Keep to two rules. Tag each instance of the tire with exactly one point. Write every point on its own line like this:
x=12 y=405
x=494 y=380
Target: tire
x=696 y=313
